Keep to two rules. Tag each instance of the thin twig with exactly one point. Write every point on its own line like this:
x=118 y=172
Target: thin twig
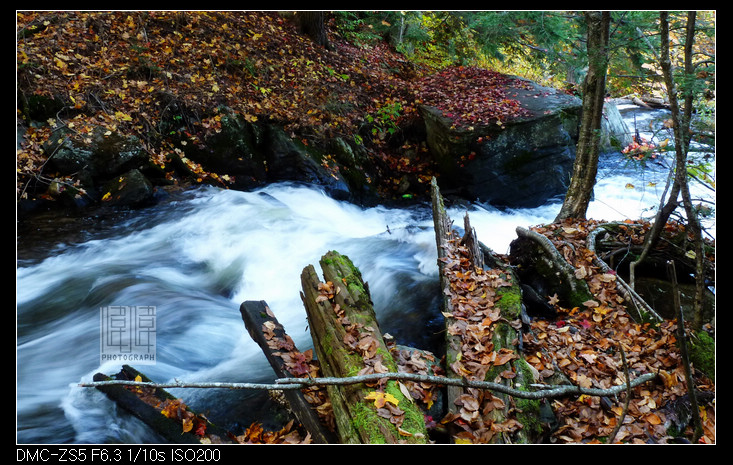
x=628 y=397
x=671 y=269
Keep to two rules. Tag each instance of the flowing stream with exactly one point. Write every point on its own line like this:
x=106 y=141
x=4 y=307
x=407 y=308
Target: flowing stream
x=197 y=256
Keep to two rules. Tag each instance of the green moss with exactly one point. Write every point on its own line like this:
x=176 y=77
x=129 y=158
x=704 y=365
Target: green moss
x=702 y=353
x=510 y=301
x=414 y=421
x=528 y=409
x=366 y=419
x=349 y=275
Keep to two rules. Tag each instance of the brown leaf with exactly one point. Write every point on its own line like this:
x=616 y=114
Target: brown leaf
x=504 y=356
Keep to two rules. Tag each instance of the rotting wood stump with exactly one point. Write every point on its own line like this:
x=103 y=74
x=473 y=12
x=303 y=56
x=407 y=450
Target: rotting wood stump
x=308 y=405
x=348 y=342
x=540 y=265
x=482 y=305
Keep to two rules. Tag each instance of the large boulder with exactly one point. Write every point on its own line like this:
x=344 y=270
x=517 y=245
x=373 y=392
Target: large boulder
x=254 y=153
x=615 y=133
x=235 y=149
x=289 y=159
x=101 y=155
x=522 y=163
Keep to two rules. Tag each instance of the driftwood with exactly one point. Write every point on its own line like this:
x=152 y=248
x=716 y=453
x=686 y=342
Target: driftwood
x=286 y=361
x=347 y=341
x=146 y=403
x=467 y=315
x=546 y=391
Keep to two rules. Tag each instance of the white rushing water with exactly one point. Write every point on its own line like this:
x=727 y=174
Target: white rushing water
x=198 y=257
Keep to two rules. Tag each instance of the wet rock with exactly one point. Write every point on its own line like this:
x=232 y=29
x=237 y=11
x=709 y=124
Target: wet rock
x=522 y=163
x=130 y=189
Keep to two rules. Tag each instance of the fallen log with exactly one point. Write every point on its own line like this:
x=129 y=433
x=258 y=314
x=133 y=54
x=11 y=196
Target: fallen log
x=166 y=415
x=287 y=361
x=482 y=308
x=348 y=342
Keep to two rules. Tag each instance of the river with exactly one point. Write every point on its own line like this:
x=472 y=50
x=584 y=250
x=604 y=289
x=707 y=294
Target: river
x=195 y=257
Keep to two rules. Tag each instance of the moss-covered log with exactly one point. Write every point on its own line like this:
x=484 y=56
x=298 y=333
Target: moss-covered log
x=482 y=307
x=348 y=342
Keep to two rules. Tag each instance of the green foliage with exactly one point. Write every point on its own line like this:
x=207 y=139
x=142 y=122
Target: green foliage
x=385 y=119
x=355 y=27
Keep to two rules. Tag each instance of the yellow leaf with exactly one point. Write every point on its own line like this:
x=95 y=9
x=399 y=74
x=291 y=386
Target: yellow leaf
x=187 y=424
x=403 y=432
x=381 y=398
x=106 y=197
x=122 y=116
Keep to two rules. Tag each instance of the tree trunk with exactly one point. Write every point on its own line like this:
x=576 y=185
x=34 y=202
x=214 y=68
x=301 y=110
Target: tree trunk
x=585 y=167
x=312 y=24
x=348 y=342
x=681 y=122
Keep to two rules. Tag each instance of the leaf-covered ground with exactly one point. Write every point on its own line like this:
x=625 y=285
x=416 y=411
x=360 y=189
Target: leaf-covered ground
x=583 y=343
x=164 y=76
x=583 y=346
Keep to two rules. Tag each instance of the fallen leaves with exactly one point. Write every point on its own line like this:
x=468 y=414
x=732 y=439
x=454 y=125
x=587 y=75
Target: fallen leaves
x=174 y=409
x=256 y=434
x=471 y=96
x=479 y=300
x=162 y=76
x=298 y=364
x=583 y=347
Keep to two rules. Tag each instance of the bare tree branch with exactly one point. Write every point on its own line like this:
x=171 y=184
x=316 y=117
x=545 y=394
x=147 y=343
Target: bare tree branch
x=547 y=391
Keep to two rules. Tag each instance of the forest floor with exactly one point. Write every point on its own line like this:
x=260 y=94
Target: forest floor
x=165 y=77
